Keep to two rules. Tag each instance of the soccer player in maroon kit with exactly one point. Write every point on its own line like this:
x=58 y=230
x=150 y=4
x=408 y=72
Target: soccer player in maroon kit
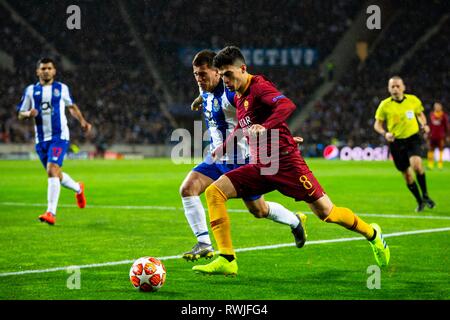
x=439 y=129
x=262 y=111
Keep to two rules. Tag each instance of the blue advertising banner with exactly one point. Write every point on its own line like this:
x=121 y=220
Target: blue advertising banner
x=295 y=56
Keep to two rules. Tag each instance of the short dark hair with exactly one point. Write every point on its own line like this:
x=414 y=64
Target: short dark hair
x=46 y=60
x=228 y=56
x=396 y=77
x=204 y=57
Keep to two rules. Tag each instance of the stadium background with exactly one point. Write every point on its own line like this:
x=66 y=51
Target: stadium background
x=130 y=73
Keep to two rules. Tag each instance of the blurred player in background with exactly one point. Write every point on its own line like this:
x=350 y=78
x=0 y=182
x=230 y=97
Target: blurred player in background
x=402 y=114
x=217 y=103
x=46 y=102
x=262 y=111
x=439 y=130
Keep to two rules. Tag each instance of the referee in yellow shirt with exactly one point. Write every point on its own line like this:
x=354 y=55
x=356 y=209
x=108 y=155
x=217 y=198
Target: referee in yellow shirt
x=402 y=114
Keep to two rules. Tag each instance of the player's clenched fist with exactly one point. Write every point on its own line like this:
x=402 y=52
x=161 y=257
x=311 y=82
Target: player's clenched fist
x=389 y=136
x=33 y=113
x=298 y=140
x=86 y=126
x=197 y=104
x=256 y=130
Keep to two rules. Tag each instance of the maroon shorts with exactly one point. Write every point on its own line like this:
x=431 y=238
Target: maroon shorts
x=436 y=143
x=293 y=179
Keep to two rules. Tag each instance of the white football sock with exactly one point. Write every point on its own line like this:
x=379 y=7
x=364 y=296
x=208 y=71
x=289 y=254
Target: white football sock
x=280 y=214
x=54 y=187
x=195 y=215
x=69 y=183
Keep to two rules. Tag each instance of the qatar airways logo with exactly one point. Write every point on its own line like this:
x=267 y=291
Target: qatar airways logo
x=245 y=122
x=190 y=149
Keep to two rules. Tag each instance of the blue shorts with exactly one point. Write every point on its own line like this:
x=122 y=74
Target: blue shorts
x=52 y=151
x=215 y=170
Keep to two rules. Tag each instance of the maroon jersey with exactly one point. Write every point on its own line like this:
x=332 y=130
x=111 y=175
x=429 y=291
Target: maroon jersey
x=438 y=125
x=263 y=104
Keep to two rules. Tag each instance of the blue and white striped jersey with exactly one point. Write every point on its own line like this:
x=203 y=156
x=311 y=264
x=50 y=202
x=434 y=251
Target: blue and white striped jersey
x=220 y=118
x=50 y=101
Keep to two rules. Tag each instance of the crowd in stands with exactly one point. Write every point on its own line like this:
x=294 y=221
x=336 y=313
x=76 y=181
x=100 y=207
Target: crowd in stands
x=116 y=93
x=250 y=24
x=108 y=83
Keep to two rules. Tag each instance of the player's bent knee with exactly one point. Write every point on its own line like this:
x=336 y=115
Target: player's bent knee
x=323 y=215
x=322 y=207
x=408 y=177
x=188 y=190
x=213 y=194
x=257 y=213
x=321 y=212
x=54 y=171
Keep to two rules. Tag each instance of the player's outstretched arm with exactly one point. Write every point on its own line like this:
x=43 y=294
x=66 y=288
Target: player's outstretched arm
x=76 y=113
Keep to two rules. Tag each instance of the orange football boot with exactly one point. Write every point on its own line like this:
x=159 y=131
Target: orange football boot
x=81 y=198
x=48 y=217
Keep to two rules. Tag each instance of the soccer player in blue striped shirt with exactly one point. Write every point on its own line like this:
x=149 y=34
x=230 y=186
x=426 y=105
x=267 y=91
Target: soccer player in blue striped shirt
x=217 y=104
x=46 y=102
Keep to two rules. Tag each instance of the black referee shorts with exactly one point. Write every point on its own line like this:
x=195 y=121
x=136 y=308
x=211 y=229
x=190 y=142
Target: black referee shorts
x=403 y=149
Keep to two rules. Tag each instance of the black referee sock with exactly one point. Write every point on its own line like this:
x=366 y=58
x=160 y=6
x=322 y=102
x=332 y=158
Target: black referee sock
x=422 y=184
x=415 y=191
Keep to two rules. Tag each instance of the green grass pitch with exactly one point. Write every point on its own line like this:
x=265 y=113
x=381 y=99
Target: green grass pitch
x=134 y=210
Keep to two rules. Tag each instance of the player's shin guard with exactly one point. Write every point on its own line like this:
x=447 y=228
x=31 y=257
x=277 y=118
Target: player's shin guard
x=280 y=214
x=219 y=220
x=69 y=183
x=346 y=218
x=196 y=217
x=53 y=190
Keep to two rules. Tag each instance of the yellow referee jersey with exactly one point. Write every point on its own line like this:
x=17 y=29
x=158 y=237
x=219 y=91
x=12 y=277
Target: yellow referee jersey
x=400 y=117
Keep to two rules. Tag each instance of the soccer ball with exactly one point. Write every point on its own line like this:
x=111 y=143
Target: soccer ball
x=147 y=274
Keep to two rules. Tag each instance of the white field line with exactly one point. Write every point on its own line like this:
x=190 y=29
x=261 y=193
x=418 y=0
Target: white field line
x=275 y=246
x=382 y=215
